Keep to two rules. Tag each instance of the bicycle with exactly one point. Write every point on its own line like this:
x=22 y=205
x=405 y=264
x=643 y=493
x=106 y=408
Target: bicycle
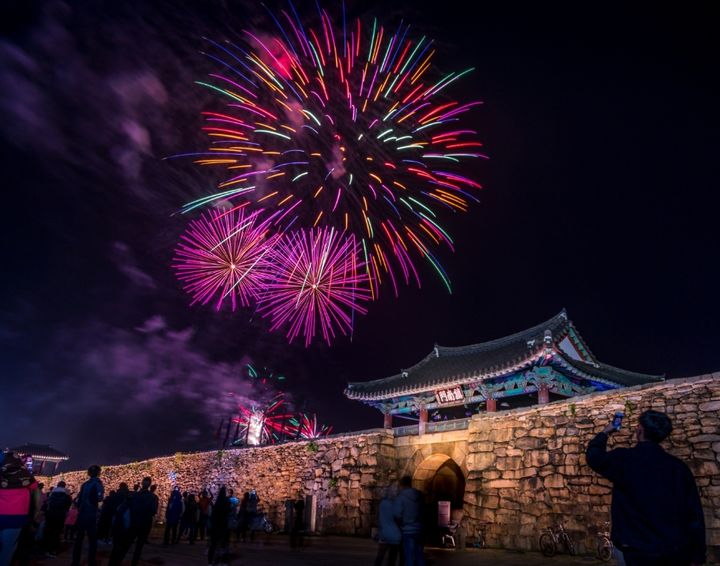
x=605 y=547
x=551 y=540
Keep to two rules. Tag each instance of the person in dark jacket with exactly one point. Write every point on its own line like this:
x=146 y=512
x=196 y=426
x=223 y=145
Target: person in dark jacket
x=58 y=504
x=657 y=518
x=389 y=535
x=142 y=507
x=173 y=513
x=408 y=511
x=109 y=508
x=219 y=531
x=91 y=494
x=190 y=517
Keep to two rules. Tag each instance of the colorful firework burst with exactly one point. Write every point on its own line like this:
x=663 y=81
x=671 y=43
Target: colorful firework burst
x=224 y=254
x=346 y=137
x=344 y=128
x=307 y=427
x=318 y=284
x=266 y=424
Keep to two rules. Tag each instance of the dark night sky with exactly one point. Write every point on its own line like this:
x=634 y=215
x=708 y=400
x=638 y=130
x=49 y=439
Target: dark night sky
x=600 y=197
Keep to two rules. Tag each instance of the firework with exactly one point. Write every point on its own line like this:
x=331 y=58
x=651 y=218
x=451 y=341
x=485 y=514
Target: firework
x=224 y=255
x=258 y=425
x=307 y=427
x=318 y=284
x=346 y=129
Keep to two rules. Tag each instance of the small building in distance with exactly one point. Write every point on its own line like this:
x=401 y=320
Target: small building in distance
x=547 y=362
x=37 y=456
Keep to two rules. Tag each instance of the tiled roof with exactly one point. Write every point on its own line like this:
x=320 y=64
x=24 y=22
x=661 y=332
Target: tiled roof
x=606 y=372
x=445 y=366
x=41 y=452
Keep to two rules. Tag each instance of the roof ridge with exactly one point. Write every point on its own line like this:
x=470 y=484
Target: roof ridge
x=601 y=365
x=510 y=338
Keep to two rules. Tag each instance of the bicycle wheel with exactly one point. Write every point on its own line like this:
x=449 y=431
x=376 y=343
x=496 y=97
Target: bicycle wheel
x=570 y=545
x=604 y=550
x=268 y=527
x=547 y=544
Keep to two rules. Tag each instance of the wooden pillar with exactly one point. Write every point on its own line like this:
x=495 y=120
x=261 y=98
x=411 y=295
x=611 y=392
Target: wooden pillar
x=387 y=420
x=423 y=419
x=491 y=405
x=543 y=394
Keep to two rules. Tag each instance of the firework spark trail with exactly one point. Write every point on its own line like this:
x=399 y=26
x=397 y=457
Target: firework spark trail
x=225 y=255
x=308 y=428
x=263 y=424
x=371 y=122
x=354 y=144
x=317 y=286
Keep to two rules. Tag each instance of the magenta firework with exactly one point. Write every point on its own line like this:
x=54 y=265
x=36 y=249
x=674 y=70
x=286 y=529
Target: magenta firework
x=343 y=135
x=224 y=256
x=318 y=284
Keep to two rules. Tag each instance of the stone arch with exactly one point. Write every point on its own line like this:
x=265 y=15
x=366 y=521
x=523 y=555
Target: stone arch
x=439 y=477
x=456 y=451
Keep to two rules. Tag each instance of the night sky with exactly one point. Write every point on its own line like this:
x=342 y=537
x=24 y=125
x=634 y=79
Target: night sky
x=600 y=197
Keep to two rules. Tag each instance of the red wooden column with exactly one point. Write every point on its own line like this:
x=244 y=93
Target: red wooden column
x=423 y=419
x=491 y=405
x=387 y=420
x=543 y=394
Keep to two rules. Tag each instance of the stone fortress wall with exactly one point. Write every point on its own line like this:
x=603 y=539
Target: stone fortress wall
x=523 y=469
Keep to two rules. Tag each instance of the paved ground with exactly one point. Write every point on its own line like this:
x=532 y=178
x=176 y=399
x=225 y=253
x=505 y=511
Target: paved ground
x=274 y=550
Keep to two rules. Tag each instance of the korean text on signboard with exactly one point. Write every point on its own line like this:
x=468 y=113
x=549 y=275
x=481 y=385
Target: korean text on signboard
x=449 y=396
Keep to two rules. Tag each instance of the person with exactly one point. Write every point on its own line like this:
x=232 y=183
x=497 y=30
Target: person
x=19 y=503
x=142 y=508
x=190 y=518
x=91 y=493
x=204 y=505
x=298 y=527
x=389 y=535
x=156 y=499
x=657 y=518
x=252 y=512
x=71 y=523
x=407 y=509
x=120 y=528
x=219 y=532
x=109 y=507
x=173 y=512
x=233 y=516
x=58 y=505
x=243 y=517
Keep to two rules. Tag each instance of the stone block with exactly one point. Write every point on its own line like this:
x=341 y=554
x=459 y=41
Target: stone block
x=497 y=484
x=554 y=480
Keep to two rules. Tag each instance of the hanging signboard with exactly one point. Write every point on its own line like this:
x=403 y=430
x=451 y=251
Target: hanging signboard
x=450 y=396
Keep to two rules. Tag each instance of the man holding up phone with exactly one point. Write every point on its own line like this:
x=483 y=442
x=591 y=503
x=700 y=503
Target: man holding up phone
x=657 y=518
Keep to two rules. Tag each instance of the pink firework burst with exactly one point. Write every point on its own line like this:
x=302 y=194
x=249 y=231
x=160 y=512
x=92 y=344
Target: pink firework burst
x=308 y=428
x=224 y=255
x=318 y=284
x=263 y=424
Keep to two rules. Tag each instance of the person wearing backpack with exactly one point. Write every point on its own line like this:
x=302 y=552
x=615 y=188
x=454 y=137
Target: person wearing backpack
x=91 y=494
x=58 y=504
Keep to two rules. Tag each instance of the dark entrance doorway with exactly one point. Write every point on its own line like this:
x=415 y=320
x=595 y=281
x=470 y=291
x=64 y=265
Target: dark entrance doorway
x=440 y=479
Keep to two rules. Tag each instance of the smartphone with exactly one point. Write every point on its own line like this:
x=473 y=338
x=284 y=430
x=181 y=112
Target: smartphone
x=617 y=420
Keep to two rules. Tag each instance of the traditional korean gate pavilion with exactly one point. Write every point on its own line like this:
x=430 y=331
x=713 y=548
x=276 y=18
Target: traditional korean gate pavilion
x=547 y=361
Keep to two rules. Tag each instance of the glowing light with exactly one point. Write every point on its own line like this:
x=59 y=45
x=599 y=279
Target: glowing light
x=224 y=256
x=381 y=159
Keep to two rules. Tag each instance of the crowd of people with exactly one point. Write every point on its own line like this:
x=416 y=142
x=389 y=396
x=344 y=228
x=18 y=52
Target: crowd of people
x=33 y=520
x=656 y=511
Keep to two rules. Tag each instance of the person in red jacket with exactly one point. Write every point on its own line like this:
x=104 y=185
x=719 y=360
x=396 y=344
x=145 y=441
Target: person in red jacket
x=19 y=498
